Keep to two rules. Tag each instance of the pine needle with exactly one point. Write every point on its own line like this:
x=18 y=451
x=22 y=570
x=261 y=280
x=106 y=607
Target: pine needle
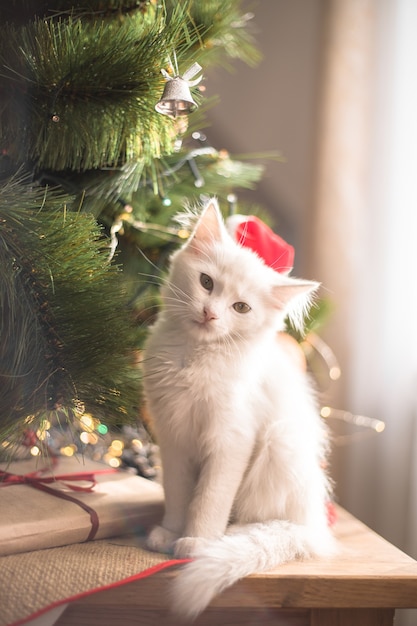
x=67 y=336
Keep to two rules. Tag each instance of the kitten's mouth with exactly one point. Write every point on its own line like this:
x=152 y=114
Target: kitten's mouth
x=206 y=324
x=206 y=327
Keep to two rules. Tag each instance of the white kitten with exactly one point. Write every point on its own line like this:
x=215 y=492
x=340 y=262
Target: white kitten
x=241 y=441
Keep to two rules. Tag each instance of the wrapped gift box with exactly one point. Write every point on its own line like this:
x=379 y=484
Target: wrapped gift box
x=72 y=501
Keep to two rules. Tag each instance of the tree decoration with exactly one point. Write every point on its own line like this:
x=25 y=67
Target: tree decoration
x=177 y=99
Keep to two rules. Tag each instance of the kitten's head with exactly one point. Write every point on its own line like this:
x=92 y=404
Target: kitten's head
x=217 y=289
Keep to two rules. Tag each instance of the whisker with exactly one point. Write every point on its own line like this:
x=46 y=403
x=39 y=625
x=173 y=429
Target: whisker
x=152 y=278
x=177 y=291
x=141 y=252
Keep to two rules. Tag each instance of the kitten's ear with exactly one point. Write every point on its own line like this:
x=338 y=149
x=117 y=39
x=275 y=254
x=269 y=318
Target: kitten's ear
x=294 y=299
x=210 y=228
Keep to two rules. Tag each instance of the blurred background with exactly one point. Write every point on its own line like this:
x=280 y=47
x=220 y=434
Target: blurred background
x=336 y=95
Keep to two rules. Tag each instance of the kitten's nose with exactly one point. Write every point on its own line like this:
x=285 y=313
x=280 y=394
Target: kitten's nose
x=209 y=315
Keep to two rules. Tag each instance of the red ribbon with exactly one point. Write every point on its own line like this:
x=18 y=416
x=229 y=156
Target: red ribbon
x=37 y=481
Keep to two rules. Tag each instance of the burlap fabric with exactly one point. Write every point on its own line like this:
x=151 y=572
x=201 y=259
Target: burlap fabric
x=32 y=581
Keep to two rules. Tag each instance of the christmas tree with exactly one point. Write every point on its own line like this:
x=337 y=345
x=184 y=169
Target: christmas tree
x=91 y=174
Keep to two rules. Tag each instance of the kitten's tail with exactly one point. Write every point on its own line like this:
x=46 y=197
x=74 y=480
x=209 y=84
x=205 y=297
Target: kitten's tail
x=242 y=551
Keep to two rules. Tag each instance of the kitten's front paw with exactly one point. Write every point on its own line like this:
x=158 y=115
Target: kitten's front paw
x=189 y=547
x=161 y=539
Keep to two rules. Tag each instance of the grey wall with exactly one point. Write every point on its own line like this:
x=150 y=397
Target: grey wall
x=273 y=107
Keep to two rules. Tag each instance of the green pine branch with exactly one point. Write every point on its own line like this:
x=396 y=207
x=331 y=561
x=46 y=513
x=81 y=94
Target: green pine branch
x=225 y=32
x=81 y=96
x=67 y=335
x=23 y=11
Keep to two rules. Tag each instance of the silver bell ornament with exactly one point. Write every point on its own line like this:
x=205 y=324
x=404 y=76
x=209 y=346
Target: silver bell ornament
x=177 y=99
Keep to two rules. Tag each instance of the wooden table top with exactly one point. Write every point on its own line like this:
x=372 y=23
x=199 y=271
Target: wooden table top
x=368 y=572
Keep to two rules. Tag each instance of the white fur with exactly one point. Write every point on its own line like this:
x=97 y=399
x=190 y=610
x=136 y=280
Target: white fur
x=241 y=441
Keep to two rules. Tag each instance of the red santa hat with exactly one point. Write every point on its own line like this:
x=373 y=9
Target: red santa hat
x=250 y=231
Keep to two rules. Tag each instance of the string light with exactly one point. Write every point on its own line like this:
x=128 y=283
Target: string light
x=325 y=352
x=87 y=422
x=370 y=425
x=69 y=450
x=89 y=438
x=367 y=425
x=150 y=227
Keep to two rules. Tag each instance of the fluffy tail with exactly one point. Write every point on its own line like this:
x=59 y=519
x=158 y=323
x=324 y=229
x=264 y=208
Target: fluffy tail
x=242 y=551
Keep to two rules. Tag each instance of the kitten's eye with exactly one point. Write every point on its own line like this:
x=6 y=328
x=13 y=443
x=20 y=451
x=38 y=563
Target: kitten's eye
x=206 y=282
x=241 y=307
